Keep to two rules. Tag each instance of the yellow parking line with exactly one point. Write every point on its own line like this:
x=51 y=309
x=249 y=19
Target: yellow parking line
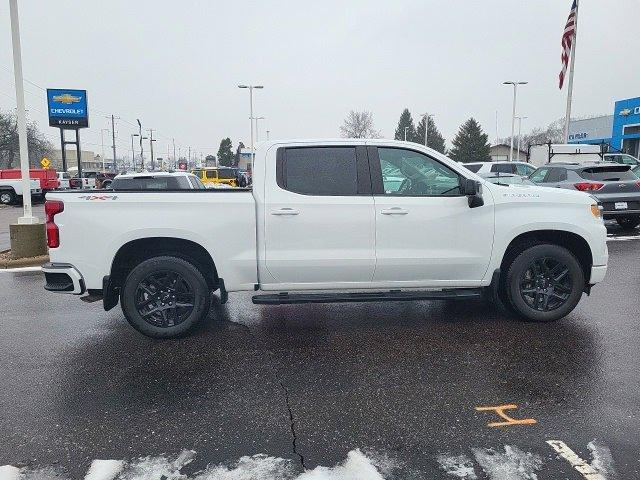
x=499 y=410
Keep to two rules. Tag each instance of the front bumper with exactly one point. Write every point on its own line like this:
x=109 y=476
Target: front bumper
x=63 y=278
x=597 y=274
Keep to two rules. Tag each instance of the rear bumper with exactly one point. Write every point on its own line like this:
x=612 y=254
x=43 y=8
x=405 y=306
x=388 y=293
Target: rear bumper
x=597 y=274
x=63 y=278
x=606 y=214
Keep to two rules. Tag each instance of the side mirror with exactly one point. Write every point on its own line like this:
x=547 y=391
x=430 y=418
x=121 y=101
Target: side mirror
x=473 y=190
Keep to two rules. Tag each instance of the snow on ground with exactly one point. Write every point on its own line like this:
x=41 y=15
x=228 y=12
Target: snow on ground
x=511 y=463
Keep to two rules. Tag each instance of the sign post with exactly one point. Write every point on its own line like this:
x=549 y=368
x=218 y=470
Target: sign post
x=68 y=111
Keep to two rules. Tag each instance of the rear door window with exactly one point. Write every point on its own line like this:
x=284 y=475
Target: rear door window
x=556 y=175
x=613 y=173
x=319 y=170
x=503 y=168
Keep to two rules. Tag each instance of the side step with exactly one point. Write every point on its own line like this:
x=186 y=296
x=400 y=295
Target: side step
x=388 y=296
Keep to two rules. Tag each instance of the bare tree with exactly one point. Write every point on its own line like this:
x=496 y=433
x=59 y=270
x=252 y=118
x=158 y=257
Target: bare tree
x=39 y=146
x=358 y=125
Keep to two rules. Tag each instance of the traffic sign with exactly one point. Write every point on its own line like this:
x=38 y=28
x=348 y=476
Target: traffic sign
x=45 y=162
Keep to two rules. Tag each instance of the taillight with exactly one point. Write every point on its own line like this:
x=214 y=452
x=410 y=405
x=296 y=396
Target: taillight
x=51 y=209
x=588 y=186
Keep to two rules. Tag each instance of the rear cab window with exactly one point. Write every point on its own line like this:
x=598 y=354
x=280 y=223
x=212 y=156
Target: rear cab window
x=503 y=168
x=610 y=173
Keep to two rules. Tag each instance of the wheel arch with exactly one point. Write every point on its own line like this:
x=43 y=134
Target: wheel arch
x=135 y=251
x=573 y=242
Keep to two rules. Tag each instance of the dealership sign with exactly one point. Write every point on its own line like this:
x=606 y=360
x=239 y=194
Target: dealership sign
x=67 y=108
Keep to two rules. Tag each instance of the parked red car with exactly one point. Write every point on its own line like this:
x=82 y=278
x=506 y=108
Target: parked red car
x=48 y=177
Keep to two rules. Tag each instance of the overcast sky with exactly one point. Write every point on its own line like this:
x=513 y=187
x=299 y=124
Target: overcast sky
x=176 y=64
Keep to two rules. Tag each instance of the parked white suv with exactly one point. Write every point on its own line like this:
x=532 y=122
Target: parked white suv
x=523 y=169
x=328 y=221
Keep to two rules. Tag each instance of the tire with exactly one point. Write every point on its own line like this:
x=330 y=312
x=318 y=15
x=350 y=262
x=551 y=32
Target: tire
x=628 y=223
x=7 y=197
x=106 y=184
x=174 y=287
x=544 y=283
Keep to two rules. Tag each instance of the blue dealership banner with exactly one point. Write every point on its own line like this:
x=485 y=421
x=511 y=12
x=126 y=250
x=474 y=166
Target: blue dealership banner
x=67 y=108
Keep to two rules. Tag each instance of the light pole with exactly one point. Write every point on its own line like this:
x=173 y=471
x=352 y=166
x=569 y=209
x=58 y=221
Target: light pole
x=133 y=152
x=251 y=87
x=267 y=134
x=27 y=218
x=426 y=128
x=519 y=134
x=151 y=140
x=258 y=136
x=405 y=133
x=513 y=116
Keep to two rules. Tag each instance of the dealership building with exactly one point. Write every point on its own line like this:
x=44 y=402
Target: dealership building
x=621 y=130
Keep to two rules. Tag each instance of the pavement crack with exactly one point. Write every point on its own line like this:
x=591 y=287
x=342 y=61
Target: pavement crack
x=285 y=390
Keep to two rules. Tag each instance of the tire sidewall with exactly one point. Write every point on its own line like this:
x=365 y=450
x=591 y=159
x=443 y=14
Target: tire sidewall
x=156 y=264
x=522 y=262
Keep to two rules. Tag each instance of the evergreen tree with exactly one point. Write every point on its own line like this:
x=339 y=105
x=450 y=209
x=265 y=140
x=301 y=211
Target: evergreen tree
x=406 y=121
x=225 y=153
x=434 y=138
x=470 y=144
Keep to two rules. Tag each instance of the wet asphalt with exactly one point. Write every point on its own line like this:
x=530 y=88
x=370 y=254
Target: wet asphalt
x=312 y=382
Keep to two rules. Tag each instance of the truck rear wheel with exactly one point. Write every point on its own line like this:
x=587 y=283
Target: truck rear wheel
x=544 y=283
x=165 y=297
x=7 y=197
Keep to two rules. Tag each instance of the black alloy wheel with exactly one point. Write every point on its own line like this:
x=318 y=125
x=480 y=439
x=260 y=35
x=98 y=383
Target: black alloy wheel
x=546 y=284
x=164 y=299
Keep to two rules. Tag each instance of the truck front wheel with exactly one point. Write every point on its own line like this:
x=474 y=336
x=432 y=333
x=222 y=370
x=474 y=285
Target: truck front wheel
x=544 y=283
x=7 y=197
x=165 y=296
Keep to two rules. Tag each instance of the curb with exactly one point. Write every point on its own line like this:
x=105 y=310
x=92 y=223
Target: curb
x=24 y=262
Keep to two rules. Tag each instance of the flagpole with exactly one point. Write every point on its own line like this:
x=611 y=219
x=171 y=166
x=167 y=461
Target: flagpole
x=567 y=116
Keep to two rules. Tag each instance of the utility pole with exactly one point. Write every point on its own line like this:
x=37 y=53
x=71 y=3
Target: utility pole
x=175 y=162
x=102 y=130
x=27 y=217
x=189 y=158
x=151 y=140
x=113 y=141
x=513 y=116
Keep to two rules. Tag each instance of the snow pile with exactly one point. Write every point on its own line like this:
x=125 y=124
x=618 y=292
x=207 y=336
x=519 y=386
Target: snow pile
x=155 y=468
x=459 y=466
x=602 y=459
x=513 y=464
x=357 y=466
x=104 y=469
x=256 y=467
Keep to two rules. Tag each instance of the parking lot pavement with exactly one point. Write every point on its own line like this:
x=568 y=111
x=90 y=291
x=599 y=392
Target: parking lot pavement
x=310 y=384
x=9 y=214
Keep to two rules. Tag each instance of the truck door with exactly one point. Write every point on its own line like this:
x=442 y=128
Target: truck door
x=319 y=219
x=426 y=233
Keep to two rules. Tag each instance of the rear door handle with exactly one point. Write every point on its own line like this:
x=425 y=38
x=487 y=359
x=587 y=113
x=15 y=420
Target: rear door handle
x=394 y=211
x=285 y=211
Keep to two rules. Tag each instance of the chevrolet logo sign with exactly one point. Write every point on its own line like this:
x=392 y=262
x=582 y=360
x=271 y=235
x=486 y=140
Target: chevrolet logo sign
x=625 y=112
x=66 y=98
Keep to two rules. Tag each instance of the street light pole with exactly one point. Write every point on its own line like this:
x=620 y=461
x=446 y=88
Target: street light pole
x=102 y=130
x=258 y=136
x=27 y=218
x=426 y=128
x=405 y=133
x=513 y=116
x=519 y=135
x=251 y=87
x=151 y=140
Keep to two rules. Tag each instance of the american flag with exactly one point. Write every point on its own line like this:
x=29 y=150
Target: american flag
x=567 y=40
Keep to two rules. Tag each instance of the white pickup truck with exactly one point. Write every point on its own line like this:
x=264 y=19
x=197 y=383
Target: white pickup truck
x=11 y=189
x=328 y=221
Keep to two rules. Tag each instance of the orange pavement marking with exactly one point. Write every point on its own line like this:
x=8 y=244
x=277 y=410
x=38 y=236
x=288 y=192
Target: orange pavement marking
x=499 y=410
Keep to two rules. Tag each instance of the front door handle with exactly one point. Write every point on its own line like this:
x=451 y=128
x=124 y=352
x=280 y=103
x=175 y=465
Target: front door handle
x=285 y=211
x=394 y=211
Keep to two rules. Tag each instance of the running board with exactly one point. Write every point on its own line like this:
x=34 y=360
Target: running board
x=388 y=296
